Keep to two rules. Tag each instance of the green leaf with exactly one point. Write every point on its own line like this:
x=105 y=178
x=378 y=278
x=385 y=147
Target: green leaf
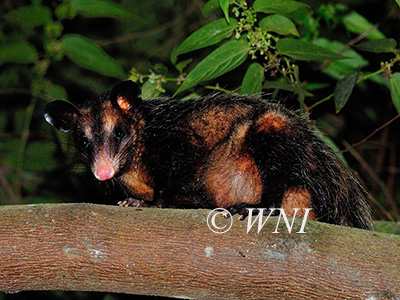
x=394 y=83
x=378 y=46
x=279 y=24
x=173 y=58
x=304 y=50
x=183 y=64
x=225 y=8
x=149 y=90
x=209 y=6
x=315 y=86
x=56 y=91
x=18 y=52
x=37 y=156
x=278 y=7
x=99 y=8
x=278 y=85
x=227 y=57
x=8 y=145
x=398 y=3
x=339 y=68
x=357 y=24
x=86 y=54
x=208 y=35
x=343 y=90
x=253 y=79
x=28 y=17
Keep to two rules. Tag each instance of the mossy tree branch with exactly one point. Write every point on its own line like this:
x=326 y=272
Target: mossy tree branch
x=173 y=253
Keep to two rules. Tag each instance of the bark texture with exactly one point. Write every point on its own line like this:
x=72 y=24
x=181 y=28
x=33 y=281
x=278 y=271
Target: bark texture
x=173 y=253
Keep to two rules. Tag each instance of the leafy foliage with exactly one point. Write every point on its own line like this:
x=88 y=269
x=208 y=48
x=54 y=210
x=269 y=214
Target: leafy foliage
x=336 y=62
x=343 y=90
x=86 y=54
x=329 y=60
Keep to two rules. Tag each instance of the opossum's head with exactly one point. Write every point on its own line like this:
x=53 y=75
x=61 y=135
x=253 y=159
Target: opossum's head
x=107 y=130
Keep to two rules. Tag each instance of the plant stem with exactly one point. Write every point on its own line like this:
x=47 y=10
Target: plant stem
x=24 y=141
x=320 y=102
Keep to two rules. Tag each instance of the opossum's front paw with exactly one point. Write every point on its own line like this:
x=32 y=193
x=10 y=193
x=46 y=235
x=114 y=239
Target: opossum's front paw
x=239 y=209
x=131 y=202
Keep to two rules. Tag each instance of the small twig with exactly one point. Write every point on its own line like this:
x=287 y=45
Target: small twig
x=24 y=142
x=392 y=171
x=136 y=35
x=374 y=176
x=350 y=43
x=376 y=203
x=381 y=153
x=5 y=185
x=371 y=135
x=320 y=102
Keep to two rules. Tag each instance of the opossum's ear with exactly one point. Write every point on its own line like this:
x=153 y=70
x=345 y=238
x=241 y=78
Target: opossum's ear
x=126 y=95
x=61 y=114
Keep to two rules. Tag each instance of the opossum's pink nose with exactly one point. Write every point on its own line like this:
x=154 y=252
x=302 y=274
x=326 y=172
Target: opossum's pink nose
x=104 y=173
x=104 y=170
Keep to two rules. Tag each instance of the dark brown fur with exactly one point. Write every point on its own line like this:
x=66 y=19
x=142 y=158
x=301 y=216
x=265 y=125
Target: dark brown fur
x=218 y=151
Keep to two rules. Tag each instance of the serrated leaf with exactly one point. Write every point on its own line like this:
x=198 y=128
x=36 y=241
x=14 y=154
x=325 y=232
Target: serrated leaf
x=28 y=17
x=99 y=8
x=86 y=54
x=252 y=80
x=394 y=84
x=356 y=23
x=208 y=35
x=343 y=89
x=279 y=24
x=222 y=60
x=339 y=68
x=378 y=46
x=224 y=4
x=304 y=50
x=18 y=52
x=278 y=7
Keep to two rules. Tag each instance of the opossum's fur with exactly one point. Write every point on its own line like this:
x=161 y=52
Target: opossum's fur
x=221 y=150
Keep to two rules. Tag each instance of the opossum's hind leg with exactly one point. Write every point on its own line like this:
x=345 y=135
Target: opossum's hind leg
x=231 y=176
x=276 y=142
x=299 y=171
x=298 y=198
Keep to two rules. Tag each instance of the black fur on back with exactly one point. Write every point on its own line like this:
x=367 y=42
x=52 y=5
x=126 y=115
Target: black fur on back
x=188 y=151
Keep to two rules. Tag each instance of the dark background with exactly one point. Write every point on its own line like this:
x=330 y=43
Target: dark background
x=38 y=165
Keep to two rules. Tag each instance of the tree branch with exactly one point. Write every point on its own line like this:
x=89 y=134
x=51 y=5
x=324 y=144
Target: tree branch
x=173 y=253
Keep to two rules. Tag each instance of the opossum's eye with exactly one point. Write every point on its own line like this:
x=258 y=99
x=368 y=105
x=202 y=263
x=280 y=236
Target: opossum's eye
x=83 y=141
x=118 y=132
